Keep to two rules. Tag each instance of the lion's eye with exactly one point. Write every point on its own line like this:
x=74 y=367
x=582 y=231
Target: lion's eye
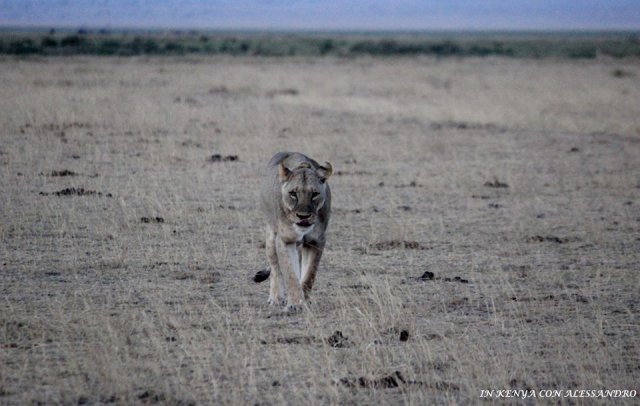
x=293 y=195
x=314 y=195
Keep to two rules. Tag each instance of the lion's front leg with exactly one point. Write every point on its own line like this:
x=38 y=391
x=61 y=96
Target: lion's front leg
x=311 y=254
x=290 y=266
x=276 y=289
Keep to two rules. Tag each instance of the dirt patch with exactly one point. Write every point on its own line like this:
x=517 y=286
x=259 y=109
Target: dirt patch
x=159 y=264
x=190 y=143
x=335 y=340
x=72 y=191
x=385 y=382
x=397 y=244
x=183 y=275
x=522 y=271
x=295 y=340
x=59 y=130
x=410 y=184
x=62 y=173
x=210 y=278
x=358 y=286
x=219 y=90
x=546 y=238
x=621 y=73
x=571 y=297
x=283 y=92
x=496 y=184
x=149 y=396
x=108 y=399
x=391 y=245
x=394 y=380
x=463 y=125
x=354 y=173
x=189 y=101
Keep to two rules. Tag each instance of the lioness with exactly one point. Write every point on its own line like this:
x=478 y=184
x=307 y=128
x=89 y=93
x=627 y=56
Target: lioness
x=296 y=201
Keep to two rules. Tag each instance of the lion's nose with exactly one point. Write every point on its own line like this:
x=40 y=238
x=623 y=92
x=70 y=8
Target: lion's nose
x=303 y=216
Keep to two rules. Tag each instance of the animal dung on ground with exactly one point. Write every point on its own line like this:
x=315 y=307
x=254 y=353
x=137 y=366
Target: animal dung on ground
x=456 y=279
x=337 y=340
x=152 y=219
x=221 y=158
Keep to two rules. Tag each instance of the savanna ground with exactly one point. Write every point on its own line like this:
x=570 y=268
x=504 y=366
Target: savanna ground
x=129 y=237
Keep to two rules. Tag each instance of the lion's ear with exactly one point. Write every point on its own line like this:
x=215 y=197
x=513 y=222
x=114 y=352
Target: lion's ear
x=324 y=171
x=283 y=173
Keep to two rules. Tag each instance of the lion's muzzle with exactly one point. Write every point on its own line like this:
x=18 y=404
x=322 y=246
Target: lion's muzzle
x=305 y=220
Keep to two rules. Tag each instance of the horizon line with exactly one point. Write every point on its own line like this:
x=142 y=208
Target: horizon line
x=530 y=30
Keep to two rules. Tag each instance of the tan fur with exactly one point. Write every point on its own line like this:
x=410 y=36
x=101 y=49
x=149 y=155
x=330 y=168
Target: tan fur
x=296 y=202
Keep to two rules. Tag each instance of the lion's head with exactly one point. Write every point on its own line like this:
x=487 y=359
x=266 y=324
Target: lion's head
x=304 y=191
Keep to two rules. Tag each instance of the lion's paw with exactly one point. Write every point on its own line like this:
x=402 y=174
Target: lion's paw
x=276 y=302
x=294 y=308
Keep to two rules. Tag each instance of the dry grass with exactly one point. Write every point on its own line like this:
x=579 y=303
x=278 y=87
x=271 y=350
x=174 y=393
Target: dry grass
x=100 y=306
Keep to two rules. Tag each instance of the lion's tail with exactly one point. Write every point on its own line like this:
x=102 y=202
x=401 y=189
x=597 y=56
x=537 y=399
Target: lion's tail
x=262 y=275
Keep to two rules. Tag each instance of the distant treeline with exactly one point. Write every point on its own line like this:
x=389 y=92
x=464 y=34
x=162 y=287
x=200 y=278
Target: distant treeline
x=83 y=43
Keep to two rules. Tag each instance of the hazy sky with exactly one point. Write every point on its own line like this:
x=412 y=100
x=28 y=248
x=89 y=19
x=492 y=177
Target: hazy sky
x=330 y=14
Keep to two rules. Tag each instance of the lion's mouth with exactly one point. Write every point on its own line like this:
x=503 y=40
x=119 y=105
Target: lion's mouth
x=304 y=223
